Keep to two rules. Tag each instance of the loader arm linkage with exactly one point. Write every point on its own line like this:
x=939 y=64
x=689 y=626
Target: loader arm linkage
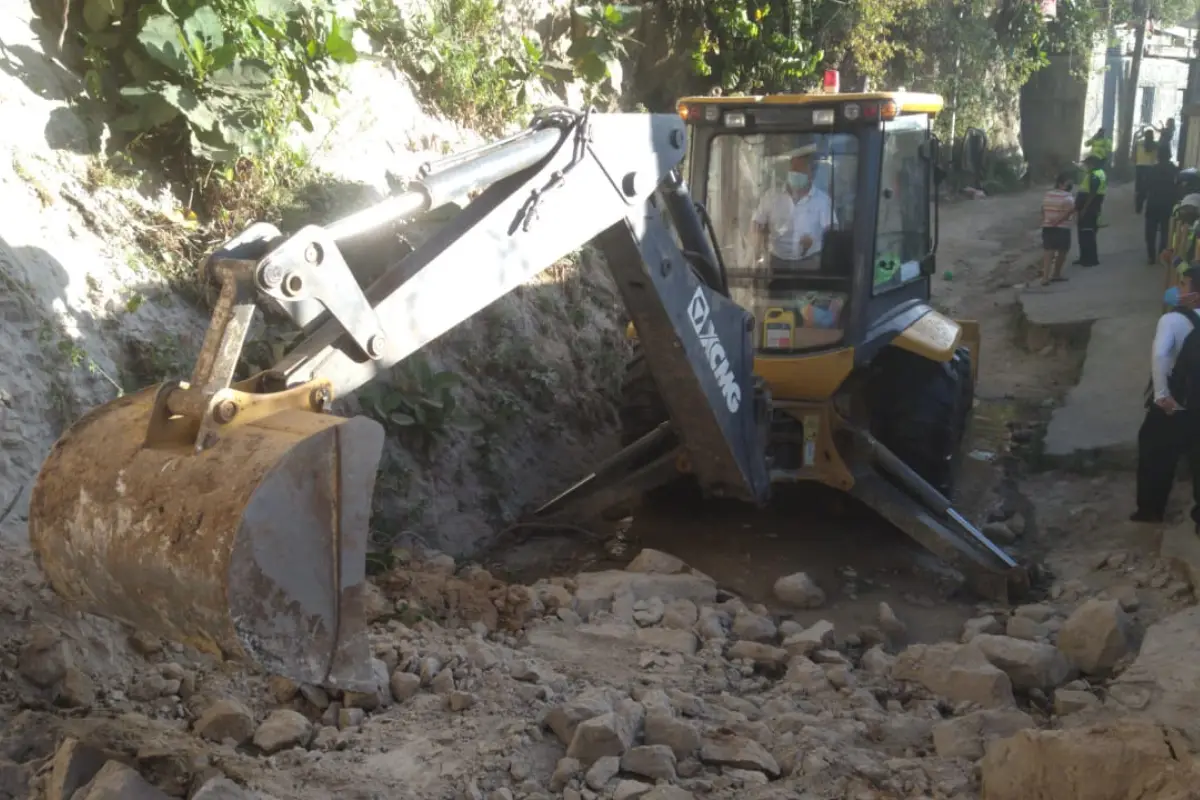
x=236 y=518
x=578 y=179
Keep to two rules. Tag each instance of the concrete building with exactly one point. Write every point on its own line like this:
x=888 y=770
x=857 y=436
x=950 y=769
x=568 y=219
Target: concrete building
x=1162 y=80
x=1063 y=105
x=1191 y=121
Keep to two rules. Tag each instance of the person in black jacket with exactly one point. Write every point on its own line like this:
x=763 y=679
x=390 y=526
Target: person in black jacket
x=1145 y=156
x=1170 y=429
x=1160 y=202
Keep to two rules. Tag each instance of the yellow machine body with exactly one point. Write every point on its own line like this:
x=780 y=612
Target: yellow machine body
x=804 y=382
x=804 y=385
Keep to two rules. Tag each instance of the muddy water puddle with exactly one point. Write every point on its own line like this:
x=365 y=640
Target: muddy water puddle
x=1007 y=429
x=857 y=557
x=854 y=555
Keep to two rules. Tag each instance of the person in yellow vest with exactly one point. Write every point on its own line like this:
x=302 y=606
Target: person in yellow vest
x=1100 y=146
x=1089 y=200
x=1184 y=251
x=1188 y=233
x=1145 y=156
x=1187 y=181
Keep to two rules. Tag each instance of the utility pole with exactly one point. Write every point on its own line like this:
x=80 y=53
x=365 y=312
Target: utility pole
x=1125 y=137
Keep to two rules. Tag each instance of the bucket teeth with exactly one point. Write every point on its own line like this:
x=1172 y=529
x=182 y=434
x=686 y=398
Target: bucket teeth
x=254 y=548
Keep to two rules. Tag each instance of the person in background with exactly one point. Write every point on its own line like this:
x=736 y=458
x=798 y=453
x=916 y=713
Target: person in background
x=1089 y=200
x=791 y=224
x=1058 y=207
x=1187 y=181
x=1100 y=146
x=1187 y=224
x=1145 y=156
x=1166 y=141
x=1171 y=429
x=1159 y=187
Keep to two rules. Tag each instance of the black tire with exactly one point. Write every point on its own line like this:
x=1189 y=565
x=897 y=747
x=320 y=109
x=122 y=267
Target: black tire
x=641 y=411
x=920 y=411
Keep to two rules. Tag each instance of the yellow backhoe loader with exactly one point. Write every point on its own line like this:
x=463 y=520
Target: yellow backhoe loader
x=233 y=516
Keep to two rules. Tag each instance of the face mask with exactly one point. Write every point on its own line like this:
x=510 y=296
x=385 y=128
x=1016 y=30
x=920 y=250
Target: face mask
x=1171 y=296
x=798 y=180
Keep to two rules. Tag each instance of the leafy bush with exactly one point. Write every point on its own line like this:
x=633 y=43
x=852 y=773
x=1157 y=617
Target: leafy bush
x=229 y=75
x=458 y=54
x=419 y=401
x=745 y=48
x=466 y=65
x=600 y=35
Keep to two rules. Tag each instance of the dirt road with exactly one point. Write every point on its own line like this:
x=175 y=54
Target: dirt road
x=594 y=677
x=986 y=248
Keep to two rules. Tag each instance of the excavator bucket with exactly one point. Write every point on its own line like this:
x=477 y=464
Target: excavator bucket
x=251 y=548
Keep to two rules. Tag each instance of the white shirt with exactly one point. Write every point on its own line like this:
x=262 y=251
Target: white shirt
x=789 y=220
x=1173 y=328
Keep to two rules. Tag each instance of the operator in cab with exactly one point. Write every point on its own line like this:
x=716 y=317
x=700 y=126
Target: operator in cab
x=790 y=224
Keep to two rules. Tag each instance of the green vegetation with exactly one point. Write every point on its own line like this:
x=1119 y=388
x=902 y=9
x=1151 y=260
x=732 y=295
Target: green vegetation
x=457 y=53
x=148 y=362
x=976 y=53
x=753 y=48
x=468 y=66
x=222 y=81
x=226 y=77
x=418 y=403
x=211 y=90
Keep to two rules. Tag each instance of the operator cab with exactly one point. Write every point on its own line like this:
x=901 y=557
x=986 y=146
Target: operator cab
x=823 y=208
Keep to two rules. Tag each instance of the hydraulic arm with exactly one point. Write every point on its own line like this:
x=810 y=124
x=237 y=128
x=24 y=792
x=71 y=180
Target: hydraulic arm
x=234 y=516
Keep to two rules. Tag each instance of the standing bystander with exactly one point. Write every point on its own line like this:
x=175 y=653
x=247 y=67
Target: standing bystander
x=1145 y=156
x=1089 y=200
x=1058 y=207
x=1171 y=428
x=1160 y=202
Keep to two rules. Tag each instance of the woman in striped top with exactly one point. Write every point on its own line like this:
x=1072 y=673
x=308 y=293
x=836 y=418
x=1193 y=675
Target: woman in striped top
x=1058 y=208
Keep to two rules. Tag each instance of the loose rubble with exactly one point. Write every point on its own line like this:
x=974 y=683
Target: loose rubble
x=647 y=682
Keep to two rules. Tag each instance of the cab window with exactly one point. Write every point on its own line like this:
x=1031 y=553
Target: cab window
x=903 y=232
x=782 y=206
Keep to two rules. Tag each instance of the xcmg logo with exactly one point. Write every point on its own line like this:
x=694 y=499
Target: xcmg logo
x=718 y=360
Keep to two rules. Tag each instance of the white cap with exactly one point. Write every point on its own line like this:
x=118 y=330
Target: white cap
x=1192 y=200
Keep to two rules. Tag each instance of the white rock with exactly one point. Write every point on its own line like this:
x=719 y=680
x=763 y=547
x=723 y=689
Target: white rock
x=1096 y=636
x=800 y=591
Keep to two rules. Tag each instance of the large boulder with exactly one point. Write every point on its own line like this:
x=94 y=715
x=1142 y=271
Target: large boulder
x=1030 y=665
x=800 y=591
x=967 y=736
x=1164 y=681
x=1096 y=636
x=1128 y=760
x=960 y=673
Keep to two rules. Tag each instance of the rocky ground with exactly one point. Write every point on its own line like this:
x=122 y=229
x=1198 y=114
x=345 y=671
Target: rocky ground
x=646 y=678
x=645 y=682
x=839 y=663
